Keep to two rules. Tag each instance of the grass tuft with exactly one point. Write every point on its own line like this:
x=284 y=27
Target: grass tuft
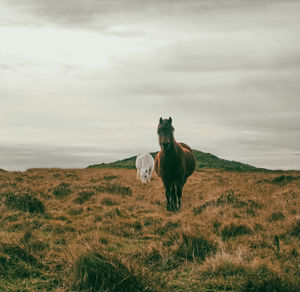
x=195 y=246
x=223 y=265
x=97 y=272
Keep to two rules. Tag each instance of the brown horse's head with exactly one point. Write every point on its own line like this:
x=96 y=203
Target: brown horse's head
x=165 y=134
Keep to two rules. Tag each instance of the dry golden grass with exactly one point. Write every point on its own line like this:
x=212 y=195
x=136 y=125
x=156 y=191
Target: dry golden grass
x=103 y=230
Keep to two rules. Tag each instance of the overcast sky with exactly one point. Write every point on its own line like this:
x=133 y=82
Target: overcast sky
x=84 y=82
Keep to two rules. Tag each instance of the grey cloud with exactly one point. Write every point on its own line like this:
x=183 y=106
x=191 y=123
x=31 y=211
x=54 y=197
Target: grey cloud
x=76 y=10
x=80 y=13
x=267 y=113
x=199 y=57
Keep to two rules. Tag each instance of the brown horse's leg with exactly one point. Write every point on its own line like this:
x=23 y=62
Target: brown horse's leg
x=174 y=198
x=168 y=197
x=179 y=194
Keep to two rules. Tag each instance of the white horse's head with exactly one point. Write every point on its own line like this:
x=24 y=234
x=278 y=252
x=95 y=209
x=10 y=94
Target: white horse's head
x=145 y=174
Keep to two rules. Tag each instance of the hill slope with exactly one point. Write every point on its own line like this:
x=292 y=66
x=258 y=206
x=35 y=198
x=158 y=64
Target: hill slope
x=204 y=161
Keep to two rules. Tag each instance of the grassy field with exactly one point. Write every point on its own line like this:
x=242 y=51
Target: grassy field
x=100 y=229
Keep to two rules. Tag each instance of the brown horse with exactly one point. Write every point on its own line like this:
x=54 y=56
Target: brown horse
x=174 y=163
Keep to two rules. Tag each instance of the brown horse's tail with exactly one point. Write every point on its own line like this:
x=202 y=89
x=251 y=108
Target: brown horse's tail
x=190 y=159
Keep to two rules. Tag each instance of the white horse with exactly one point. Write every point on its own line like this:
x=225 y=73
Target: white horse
x=144 y=164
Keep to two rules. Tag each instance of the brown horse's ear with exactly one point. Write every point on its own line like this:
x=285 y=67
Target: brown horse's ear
x=170 y=120
x=160 y=120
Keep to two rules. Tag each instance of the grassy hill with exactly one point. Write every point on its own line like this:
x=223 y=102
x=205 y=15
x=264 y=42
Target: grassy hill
x=103 y=230
x=204 y=161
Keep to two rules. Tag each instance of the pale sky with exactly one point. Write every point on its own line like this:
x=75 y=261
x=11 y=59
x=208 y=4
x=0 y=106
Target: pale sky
x=85 y=82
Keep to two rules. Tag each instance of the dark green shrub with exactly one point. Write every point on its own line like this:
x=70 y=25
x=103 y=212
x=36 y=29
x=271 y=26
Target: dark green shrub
x=232 y=230
x=12 y=218
x=109 y=177
x=151 y=221
x=108 y=202
x=83 y=196
x=24 y=202
x=16 y=251
x=62 y=190
x=16 y=262
x=198 y=210
x=284 y=179
x=169 y=226
x=75 y=211
x=57 y=175
x=263 y=279
x=296 y=229
x=29 y=242
x=113 y=213
x=114 y=188
x=153 y=258
x=137 y=226
x=276 y=216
